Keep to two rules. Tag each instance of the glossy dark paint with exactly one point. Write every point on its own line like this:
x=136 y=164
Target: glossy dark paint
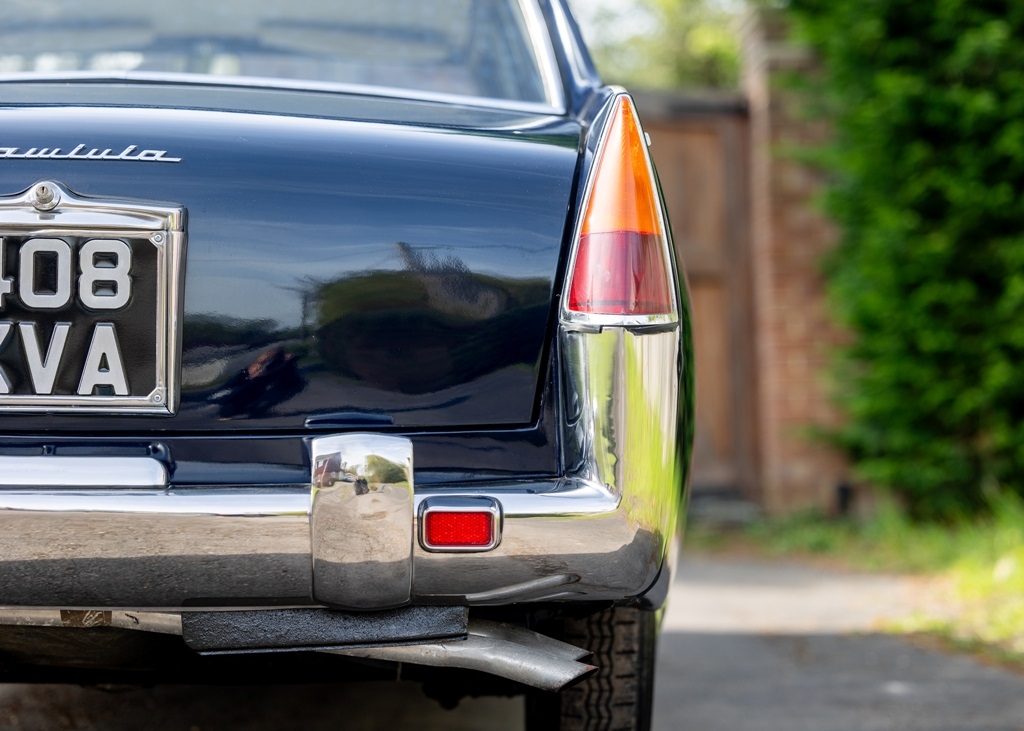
x=245 y=453
x=336 y=267
x=282 y=458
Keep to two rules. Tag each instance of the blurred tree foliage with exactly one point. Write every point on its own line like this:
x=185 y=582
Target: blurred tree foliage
x=927 y=165
x=663 y=44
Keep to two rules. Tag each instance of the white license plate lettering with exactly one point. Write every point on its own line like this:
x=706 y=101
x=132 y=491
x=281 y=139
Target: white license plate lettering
x=42 y=368
x=103 y=367
x=104 y=283
x=103 y=363
x=30 y=256
x=100 y=281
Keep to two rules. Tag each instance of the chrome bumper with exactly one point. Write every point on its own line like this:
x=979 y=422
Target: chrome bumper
x=88 y=533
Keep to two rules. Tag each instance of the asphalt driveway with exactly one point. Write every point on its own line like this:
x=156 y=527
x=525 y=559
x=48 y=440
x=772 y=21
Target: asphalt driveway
x=758 y=646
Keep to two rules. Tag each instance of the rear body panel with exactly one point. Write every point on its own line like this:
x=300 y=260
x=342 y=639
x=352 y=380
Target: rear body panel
x=338 y=273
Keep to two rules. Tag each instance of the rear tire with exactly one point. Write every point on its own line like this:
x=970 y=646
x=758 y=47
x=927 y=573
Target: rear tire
x=620 y=695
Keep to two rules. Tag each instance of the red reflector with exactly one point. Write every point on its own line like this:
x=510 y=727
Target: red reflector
x=444 y=528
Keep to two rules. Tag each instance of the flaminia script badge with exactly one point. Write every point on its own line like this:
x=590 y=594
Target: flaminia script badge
x=89 y=303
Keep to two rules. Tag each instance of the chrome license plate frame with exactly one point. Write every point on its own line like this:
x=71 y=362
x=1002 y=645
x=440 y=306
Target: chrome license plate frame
x=50 y=214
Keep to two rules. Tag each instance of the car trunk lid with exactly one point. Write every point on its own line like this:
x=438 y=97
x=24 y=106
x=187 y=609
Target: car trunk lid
x=339 y=272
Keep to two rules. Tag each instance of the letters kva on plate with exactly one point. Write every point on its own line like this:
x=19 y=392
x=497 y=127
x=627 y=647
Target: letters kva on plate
x=103 y=363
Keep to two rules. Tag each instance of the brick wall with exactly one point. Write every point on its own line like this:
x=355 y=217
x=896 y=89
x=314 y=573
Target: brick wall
x=788 y=238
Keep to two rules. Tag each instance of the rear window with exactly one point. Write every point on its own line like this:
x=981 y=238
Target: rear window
x=480 y=48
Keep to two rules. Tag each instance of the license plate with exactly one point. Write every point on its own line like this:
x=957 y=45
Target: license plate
x=89 y=303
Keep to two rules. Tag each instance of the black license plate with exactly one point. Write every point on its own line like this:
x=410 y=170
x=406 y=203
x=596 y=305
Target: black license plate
x=88 y=304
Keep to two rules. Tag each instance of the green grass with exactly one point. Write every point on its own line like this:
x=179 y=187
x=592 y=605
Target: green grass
x=981 y=561
x=886 y=542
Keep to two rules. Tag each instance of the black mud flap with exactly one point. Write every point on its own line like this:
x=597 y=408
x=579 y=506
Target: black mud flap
x=289 y=630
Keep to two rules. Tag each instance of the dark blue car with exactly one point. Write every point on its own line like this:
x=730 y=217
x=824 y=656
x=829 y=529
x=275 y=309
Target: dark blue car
x=335 y=337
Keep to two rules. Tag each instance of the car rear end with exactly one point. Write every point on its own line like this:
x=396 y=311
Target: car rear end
x=377 y=353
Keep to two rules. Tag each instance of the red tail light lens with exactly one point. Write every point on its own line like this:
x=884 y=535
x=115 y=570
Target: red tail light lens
x=450 y=529
x=620 y=273
x=621 y=266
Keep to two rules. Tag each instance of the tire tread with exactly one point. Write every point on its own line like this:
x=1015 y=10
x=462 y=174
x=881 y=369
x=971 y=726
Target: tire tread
x=618 y=697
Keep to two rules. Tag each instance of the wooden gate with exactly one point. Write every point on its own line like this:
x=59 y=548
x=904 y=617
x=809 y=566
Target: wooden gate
x=699 y=144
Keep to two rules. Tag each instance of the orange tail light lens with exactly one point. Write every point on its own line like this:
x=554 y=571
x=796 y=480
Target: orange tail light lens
x=621 y=265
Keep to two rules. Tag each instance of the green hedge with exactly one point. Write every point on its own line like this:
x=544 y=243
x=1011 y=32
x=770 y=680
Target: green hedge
x=927 y=170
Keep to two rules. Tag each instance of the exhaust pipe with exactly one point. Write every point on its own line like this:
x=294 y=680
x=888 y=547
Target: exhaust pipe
x=505 y=650
x=500 y=649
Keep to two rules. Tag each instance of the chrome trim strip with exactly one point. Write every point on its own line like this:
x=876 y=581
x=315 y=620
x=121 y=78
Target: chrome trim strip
x=64 y=214
x=227 y=502
x=577 y=65
x=473 y=504
x=544 y=53
x=362 y=520
x=560 y=498
x=47 y=471
x=275 y=84
x=585 y=322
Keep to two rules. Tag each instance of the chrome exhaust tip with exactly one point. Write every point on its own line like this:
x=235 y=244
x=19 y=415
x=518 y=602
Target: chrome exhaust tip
x=505 y=650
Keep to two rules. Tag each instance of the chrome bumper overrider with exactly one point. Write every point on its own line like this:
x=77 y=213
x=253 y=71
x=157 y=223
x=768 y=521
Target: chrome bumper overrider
x=119 y=534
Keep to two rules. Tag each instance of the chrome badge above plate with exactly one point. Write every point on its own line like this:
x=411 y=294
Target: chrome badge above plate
x=89 y=303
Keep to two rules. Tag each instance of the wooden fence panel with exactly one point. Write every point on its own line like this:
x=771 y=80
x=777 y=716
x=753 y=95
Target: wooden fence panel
x=700 y=148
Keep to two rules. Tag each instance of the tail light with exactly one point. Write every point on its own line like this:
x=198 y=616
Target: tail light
x=621 y=265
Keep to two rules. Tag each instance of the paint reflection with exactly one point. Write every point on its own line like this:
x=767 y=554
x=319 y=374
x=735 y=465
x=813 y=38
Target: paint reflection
x=423 y=337
x=272 y=378
x=433 y=325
